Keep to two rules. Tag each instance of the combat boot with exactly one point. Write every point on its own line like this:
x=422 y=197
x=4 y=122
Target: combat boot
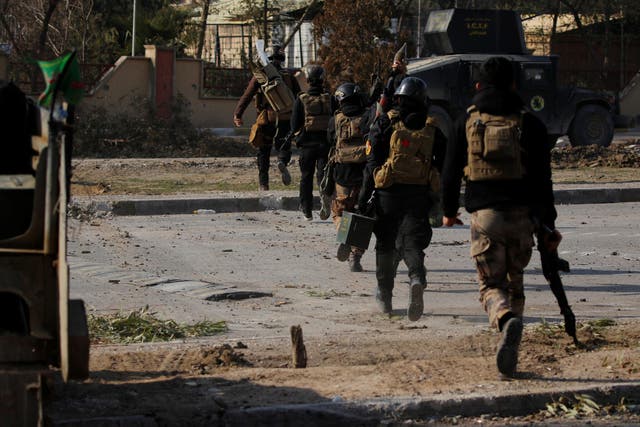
x=343 y=252
x=383 y=299
x=354 y=262
x=385 y=276
x=325 y=206
x=286 y=176
x=416 y=303
x=507 y=355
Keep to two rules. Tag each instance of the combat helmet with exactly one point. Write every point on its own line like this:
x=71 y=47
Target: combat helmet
x=275 y=52
x=347 y=93
x=413 y=89
x=315 y=74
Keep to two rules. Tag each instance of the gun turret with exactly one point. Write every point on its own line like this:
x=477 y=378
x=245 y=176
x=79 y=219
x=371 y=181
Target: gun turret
x=475 y=31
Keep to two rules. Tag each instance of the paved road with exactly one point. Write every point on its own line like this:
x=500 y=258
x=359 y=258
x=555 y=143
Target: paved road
x=191 y=267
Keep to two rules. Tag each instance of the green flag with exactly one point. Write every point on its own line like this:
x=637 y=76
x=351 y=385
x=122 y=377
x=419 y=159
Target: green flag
x=69 y=84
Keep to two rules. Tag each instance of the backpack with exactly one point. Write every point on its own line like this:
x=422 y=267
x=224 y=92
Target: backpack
x=494 y=151
x=317 y=111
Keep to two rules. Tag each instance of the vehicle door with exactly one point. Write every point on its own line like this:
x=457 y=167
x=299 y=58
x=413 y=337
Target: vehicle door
x=537 y=86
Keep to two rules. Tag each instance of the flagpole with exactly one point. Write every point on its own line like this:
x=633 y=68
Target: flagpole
x=133 y=33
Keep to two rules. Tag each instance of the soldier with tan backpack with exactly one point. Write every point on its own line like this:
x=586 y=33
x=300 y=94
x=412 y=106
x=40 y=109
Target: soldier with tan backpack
x=274 y=90
x=402 y=150
x=309 y=124
x=502 y=152
x=348 y=130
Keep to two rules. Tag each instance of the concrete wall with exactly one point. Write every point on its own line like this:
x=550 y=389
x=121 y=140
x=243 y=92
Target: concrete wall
x=123 y=87
x=206 y=112
x=134 y=80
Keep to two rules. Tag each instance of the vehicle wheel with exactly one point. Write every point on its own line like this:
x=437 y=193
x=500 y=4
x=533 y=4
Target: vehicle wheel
x=592 y=124
x=443 y=120
x=78 y=341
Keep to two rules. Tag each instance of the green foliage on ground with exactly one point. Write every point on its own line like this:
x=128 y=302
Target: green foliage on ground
x=143 y=326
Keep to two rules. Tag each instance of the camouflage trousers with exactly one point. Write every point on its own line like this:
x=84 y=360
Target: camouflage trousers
x=501 y=246
x=345 y=199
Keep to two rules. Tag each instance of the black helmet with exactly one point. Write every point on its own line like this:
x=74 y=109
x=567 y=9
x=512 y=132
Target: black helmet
x=414 y=89
x=347 y=93
x=496 y=71
x=275 y=52
x=315 y=74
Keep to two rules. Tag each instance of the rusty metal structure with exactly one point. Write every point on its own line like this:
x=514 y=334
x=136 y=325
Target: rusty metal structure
x=42 y=332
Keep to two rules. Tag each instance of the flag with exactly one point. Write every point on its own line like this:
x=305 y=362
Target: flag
x=68 y=85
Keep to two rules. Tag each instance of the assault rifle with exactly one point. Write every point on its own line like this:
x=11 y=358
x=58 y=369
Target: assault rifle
x=377 y=84
x=284 y=143
x=328 y=184
x=552 y=264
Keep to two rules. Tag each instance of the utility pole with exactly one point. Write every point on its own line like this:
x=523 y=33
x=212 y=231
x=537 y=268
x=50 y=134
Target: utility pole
x=133 y=33
x=419 y=29
x=266 y=37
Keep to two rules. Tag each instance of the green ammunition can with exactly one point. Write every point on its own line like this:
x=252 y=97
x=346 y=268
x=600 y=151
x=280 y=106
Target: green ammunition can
x=355 y=230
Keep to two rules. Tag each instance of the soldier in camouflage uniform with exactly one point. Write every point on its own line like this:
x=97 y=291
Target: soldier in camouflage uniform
x=348 y=129
x=502 y=151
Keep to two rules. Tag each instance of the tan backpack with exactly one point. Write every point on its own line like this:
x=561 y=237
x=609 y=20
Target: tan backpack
x=317 y=111
x=274 y=88
x=494 y=151
x=350 y=143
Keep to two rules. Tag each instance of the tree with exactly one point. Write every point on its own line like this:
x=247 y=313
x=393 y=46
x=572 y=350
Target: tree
x=258 y=11
x=203 y=27
x=355 y=38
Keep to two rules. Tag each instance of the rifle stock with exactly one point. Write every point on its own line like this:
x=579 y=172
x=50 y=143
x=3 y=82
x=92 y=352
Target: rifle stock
x=551 y=267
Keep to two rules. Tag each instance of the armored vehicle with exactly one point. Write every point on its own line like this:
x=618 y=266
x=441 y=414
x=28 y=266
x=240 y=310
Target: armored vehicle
x=461 y=39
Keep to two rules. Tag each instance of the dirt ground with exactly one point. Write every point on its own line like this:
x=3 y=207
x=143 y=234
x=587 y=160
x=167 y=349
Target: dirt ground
x=618 y=163
x=196 y=382
x=199 y=380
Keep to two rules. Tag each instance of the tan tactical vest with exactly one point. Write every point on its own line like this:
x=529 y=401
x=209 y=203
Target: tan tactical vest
x=494 y=151
x=410 y=155
x=317 y=111
x=350 y=143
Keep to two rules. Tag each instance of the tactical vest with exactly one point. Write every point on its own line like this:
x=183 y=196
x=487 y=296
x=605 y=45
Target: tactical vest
x=494 y=151
x=317 y=111
x=350 y=143
x=410 y=155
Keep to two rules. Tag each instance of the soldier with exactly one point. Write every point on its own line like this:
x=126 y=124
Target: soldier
x=277 y=126
x=386 y=102
x=309 y=123
x=398 y=73
x=348 y=129
x=501 y=149
x=403 y=148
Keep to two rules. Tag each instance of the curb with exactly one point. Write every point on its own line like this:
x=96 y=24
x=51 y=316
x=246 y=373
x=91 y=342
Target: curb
x=189 y=206
x=597 y=195
x=376 y=412
x=373 y=412
x=135 y=207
